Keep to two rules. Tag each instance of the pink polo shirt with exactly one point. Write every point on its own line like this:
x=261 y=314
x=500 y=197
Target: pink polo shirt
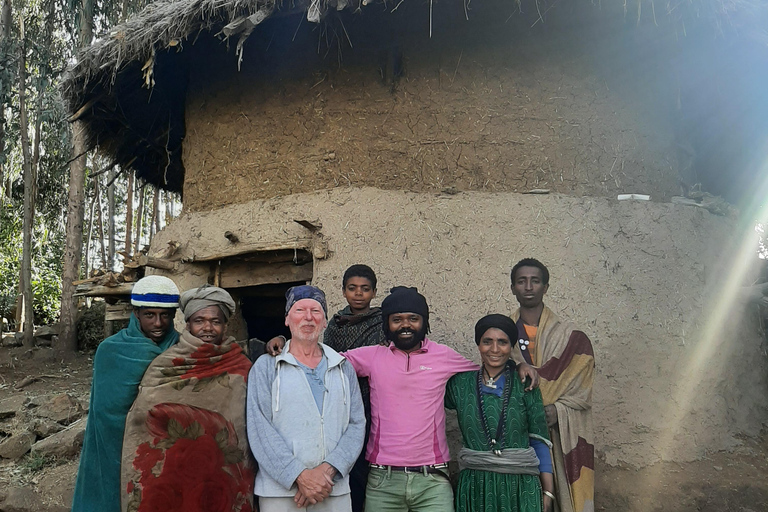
x=407 y=389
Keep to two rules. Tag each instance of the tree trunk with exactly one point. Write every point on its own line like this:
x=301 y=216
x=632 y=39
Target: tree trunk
x=155 y=223
x=89 y=237
x=5 y=38
x=100 y=222
x=158 y=224
x=111 y=215
x=74 y=243
x=25 y=281
x=108 y=326
x=129 y=215
x=75 y=211
x=168 y=208
x=139 y=219
x=86 y=23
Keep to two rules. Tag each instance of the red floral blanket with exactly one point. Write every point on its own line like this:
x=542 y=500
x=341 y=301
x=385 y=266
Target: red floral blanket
x=185 y=447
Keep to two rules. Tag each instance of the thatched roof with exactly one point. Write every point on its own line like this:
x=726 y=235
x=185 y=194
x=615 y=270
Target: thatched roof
x=112 y=87
x=129 y=87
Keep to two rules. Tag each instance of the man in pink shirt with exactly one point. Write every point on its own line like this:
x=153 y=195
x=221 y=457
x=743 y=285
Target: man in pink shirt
x=407 y=448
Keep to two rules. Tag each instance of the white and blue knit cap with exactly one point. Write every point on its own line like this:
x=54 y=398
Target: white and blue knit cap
x=155 y=292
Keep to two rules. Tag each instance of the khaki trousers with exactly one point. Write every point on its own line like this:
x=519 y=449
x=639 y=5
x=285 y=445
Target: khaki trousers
x=394 y=491
x=341 y=503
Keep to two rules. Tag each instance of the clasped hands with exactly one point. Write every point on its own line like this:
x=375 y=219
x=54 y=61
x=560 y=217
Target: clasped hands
x=314 y=485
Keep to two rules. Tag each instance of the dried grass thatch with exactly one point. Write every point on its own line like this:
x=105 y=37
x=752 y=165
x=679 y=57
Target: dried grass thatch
x=109 y=87
x=129 y=94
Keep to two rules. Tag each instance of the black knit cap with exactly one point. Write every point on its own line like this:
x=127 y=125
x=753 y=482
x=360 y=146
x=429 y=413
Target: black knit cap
x=502 y=322
x=403 y=299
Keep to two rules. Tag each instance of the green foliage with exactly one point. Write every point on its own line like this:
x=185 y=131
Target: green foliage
x=46 y=266
x=90 y=326
x=36 y=462
x=46 y=274
x=51 y=40
x=10 y=259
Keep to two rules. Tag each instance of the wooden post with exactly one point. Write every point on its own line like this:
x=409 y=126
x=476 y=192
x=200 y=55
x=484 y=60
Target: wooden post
x=89 y=236
x=139 y=219
x=111 y=220
x=100 y=223
x=129 y=215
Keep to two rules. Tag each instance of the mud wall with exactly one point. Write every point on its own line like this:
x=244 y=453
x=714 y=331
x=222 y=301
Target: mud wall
x=637 y=277
x=479 y=106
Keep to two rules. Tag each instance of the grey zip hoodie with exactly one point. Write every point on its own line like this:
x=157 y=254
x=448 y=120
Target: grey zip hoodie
x=286 y=431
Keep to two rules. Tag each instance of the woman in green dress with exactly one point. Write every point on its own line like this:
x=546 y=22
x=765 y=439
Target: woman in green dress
x=505 y=462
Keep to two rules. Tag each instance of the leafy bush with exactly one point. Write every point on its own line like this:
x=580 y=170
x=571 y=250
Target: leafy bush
x=46 y=267
x=90 y=326
x=34 y=462
x=10 y=259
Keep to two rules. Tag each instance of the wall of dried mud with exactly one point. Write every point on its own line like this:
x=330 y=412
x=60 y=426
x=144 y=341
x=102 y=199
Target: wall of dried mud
x=641 y=279
x=483 y=109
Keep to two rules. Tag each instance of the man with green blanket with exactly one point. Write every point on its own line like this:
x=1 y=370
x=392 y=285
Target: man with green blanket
x=118 y=367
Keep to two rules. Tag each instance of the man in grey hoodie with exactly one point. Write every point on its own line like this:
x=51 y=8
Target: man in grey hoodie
x=304 y=415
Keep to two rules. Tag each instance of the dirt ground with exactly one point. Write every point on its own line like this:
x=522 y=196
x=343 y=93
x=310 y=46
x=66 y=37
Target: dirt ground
x=52 y=479
x=734 y=481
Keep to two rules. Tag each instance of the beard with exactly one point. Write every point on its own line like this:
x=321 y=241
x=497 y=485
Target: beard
x=405 y=345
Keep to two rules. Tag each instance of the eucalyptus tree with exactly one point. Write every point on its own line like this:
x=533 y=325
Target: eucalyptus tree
x=31 y=138
x=38 y=39
x=87 y=15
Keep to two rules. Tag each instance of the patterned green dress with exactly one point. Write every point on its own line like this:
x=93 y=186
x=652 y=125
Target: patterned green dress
x=485 y=491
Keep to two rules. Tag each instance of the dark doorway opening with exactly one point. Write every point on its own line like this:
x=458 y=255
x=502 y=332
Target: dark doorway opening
x=263 y=309
x=259 y=281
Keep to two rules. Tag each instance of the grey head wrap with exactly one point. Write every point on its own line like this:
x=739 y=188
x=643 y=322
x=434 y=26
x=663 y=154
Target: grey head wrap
x=192 y=301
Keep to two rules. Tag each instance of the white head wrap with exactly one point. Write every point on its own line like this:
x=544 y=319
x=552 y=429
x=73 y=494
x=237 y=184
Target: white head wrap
x=155 y=292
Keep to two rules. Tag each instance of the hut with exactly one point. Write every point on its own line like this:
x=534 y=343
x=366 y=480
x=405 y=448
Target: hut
x=440 y=142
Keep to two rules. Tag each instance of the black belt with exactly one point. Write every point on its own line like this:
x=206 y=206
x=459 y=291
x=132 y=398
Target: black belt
x=435 y=469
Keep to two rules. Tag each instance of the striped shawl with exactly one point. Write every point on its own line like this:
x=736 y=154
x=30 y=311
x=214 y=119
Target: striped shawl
x=567 y=374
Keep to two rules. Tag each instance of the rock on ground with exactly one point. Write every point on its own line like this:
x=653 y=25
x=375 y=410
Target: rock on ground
x=58 y=484
x=12 y=339
x=20 y=499
x=24 y=499
x=43 y=427
x=62 y=409
x=17 y=445
x=47 y=331
x=10 y=406
x=63 y=444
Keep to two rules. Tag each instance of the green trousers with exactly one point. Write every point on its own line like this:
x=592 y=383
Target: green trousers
x=395 y=491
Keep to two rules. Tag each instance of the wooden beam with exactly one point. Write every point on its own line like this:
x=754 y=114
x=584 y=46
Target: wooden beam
x=241 y=274
x=312 y=225
x=82 y=110
x=104 y=291
x=245 y=248
x=297 y=257
x=149 y=261
x=120 y=311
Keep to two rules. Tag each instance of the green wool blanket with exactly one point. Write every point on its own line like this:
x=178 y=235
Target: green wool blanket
x=118 y=367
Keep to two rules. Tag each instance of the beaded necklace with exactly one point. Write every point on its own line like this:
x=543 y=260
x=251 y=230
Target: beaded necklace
x=496 y=444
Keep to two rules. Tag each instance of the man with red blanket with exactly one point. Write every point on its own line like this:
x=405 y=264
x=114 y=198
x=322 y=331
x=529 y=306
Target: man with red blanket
x=185 y=445
x=566 y=363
